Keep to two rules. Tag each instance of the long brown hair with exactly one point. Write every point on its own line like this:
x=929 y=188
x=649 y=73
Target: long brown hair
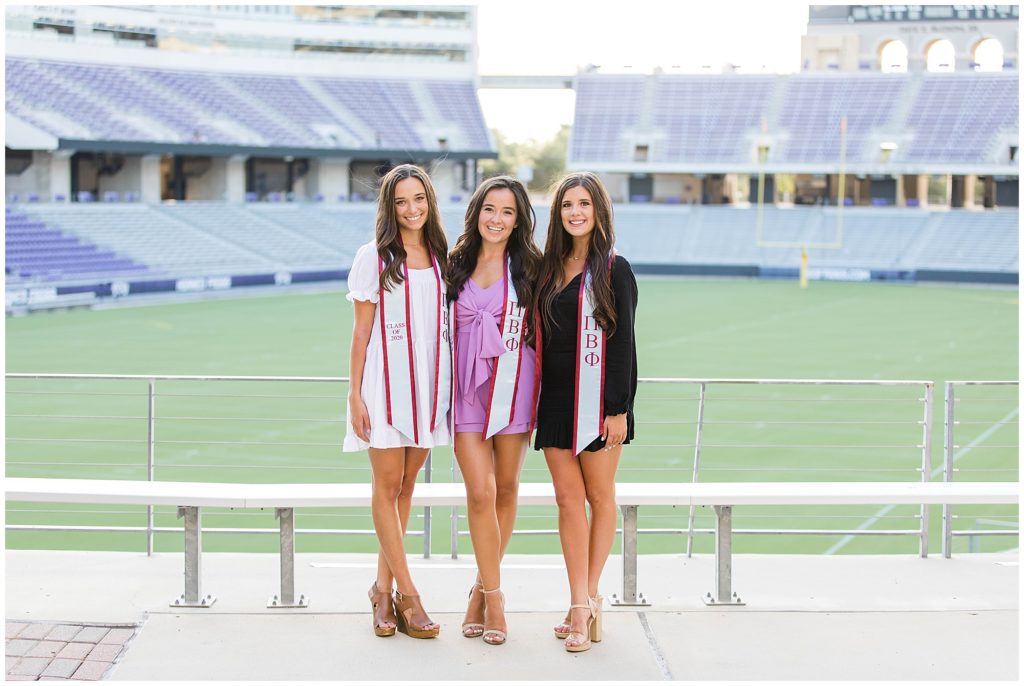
x=559 y=246
x=523 y=251
x=388 y=235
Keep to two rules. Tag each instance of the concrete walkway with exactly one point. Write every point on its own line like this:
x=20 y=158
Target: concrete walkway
x=807 y=617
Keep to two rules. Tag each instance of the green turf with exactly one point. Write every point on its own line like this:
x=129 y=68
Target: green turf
x=691 y=328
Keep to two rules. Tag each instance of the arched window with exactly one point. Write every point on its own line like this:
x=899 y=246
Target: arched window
x=941 y=56
x=893 y=57
x=988 y=55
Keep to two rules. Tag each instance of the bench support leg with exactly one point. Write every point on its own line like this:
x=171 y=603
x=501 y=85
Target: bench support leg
x=630 y=596
x=193 y=595
x=724 y=594
x=286 y=516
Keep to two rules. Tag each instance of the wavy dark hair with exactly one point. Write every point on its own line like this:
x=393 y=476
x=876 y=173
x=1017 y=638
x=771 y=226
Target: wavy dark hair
x=523 y=251
x=388 y=236
x=559 y=246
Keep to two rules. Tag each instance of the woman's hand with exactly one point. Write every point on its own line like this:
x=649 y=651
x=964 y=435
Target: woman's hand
x=614 y=430
x=360 y=418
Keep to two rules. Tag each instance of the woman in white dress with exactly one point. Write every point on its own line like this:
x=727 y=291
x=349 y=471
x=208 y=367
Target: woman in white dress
x=400 y=376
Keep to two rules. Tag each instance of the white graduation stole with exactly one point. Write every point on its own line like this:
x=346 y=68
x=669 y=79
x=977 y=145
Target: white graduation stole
x=399 y=367
x=505 y=375
x=591 y=342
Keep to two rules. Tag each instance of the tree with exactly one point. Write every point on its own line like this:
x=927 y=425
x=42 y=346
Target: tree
x=546 y=159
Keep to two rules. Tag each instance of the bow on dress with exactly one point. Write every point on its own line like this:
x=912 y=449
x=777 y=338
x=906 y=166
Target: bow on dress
x=483 y=344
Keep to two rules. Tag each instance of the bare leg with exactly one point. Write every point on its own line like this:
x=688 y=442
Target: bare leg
x=414 y=460
x=599 y=479
x=573 y=529
x=477 y=464
x=509 y=455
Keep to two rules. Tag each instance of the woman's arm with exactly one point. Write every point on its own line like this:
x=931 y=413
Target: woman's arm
x=619 y=387
x=362 y=328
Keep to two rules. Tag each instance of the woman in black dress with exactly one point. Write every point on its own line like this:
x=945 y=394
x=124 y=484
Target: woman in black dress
x=585 y=307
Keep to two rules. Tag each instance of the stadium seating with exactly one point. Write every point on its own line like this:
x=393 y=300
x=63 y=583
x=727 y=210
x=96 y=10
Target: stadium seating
x=949 y=103
x=706 y=117
x=717 y=118
x=813 y=107
x=99 y=102
x=39 y=252
x=215 y=238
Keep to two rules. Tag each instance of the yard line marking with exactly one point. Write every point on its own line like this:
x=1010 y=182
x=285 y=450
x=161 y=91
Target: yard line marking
x=935 y=472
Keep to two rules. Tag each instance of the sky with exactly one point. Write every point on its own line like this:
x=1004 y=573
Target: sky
x=560 y=36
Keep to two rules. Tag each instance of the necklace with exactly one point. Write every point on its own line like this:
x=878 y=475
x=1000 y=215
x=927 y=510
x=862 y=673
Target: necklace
x=576 y=259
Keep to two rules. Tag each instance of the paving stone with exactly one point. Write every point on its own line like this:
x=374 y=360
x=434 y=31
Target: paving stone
x=118 y=635
x=19 y=646
x=62 y=668
x=91 y=670
x=91 y=634
x=104 y=652
x=75 y=651
x=29 y=666
x=13 y=628
x=63 y=632
x=11 y=661
x=36 y=631
x=45 y=649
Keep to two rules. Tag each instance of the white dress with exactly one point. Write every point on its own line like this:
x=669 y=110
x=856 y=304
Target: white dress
x=363 y=284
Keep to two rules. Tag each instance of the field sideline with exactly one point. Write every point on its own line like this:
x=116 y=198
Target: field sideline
x=693 y=328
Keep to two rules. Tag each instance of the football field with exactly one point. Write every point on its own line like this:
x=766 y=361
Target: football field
x=259 y=431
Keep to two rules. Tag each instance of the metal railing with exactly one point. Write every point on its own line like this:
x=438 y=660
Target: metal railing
x=950 y=457
x=714 y=421
x=920 y=472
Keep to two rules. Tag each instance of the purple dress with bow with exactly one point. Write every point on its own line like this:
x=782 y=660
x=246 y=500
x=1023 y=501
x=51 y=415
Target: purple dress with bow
x=478 y=316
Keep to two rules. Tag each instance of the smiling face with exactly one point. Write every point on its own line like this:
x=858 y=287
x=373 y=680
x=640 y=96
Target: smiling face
x=578 y=212
x=497 y=218
x=410 y=204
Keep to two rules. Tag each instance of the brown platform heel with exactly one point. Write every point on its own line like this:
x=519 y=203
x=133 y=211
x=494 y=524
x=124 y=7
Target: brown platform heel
x=412 y=617
x=383 y=612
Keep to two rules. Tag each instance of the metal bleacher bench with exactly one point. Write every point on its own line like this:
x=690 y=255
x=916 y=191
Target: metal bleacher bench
x=284 y=498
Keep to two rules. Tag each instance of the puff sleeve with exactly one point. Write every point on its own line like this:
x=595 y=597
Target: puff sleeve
x=363 y=279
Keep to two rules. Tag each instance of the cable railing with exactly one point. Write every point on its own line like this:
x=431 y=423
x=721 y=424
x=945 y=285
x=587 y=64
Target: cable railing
x=962 y=398
x=290 y=429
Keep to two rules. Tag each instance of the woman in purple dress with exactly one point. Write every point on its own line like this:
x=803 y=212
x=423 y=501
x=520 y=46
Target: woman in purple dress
x=491 y=275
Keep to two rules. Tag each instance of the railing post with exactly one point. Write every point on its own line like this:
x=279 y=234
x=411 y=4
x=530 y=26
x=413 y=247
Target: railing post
x=455 y=510
x=630 y=596
x=286 y=516
x=723 y=559
x=426 y=509
x=696 y=466
x=150 y=461
x=926 y=462
x=192 y=597
x=947 y=470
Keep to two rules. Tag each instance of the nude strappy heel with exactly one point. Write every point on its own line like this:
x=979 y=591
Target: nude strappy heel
x=574 y=645
x=473 y=629
x=563 y=630
x=494 y=637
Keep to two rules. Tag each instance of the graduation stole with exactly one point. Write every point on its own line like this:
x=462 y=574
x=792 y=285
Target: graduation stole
x=591 y=343
x=501 y=402
x=399 y=368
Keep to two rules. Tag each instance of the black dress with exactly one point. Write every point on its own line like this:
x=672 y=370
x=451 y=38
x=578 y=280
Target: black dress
x=558 y=371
